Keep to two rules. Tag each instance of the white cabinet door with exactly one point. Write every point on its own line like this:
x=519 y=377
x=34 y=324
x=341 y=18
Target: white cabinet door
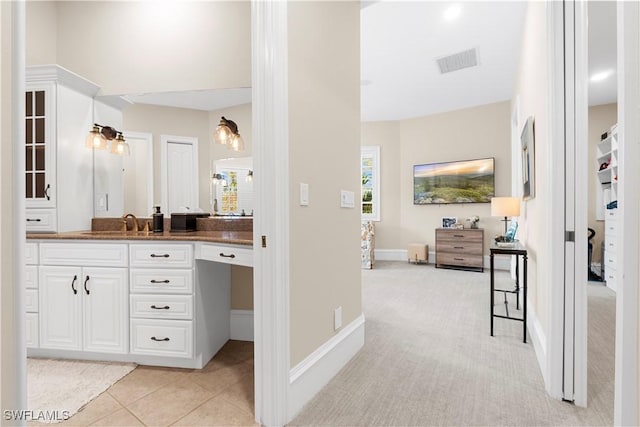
x=60 y=307
x=105 y=311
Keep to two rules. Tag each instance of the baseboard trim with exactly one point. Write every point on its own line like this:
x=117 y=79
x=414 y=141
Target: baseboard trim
x=309 y=376
x=241 y=325
x=500 y=262
x=538 y=339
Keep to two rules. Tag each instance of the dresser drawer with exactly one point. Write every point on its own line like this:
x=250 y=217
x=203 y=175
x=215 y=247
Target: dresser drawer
x=225 y=254
x=31 y=300
x=31 y=253
x=41 y=220
x=469 y=236
x=161 y=281
x=162 y=306
x=80 y=254
x=173 y=338
x=610 y=246
x=31 y=277
x=610 y=215
x=610 y=228
x=459 y=260
x=461 y=247
x=169 y=256
x=609 y=262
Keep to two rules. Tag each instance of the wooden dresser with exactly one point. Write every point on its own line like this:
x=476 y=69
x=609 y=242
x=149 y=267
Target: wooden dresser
x=462 y=249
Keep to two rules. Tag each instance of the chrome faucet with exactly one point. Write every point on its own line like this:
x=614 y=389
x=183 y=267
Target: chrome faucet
x=136 y=225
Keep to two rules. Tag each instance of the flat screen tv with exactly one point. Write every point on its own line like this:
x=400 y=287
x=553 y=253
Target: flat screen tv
x=466 y=181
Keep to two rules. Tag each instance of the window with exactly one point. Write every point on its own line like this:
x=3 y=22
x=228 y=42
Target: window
x=370 y=172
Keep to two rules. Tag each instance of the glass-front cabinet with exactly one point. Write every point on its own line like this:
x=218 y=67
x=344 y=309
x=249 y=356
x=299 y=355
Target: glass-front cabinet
x=40 y=146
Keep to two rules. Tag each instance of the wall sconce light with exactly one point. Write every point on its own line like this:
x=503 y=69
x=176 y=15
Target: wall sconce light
x=100 y=135
x=249 y=177
x=218 y=178
x=227 y=134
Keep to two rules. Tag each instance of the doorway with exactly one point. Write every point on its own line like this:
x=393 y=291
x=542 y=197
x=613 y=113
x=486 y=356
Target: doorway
x=179 y=173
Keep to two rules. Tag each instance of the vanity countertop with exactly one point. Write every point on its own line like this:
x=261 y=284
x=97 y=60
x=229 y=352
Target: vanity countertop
x=230 y=237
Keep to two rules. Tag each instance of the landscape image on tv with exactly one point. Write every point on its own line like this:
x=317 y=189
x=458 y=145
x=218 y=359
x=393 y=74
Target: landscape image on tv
x=468 y=181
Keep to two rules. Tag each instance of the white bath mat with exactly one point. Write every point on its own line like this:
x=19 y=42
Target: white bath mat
x=57 y=388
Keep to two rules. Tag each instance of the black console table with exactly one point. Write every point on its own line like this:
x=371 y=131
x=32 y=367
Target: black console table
x=518 y=250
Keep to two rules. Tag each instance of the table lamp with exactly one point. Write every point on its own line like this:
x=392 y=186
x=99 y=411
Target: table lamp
x=506 y=207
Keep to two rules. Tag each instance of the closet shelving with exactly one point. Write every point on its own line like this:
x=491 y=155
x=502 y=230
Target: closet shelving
x=607 y=163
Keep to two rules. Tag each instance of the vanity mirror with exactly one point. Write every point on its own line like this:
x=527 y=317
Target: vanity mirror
x=170 y=136
x=232 y=187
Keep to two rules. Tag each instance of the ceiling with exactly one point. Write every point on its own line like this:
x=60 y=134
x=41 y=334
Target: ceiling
x=400 y=42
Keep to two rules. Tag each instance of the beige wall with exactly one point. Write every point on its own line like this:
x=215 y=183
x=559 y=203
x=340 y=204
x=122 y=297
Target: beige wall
x=601 y=118
x=470 y=133
x=41 y=34
x=139 y=47
x=531 y=90
x=324 y=152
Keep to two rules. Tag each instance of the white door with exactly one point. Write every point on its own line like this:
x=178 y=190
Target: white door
x=138 y=174
x=60 y=307
x=105 y=316
x=179 y=173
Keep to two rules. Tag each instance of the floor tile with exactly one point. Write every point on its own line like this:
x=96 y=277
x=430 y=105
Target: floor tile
x=169 y=403
x=142 y=381
x=240 y=350
x=219 y=380
x=119 y=418
x=99 y=407
x=241 y=393
x=217 y=412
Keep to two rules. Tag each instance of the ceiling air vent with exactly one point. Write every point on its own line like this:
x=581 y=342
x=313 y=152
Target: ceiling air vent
x=458 y=61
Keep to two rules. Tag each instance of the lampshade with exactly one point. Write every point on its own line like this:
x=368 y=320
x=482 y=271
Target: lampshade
x=95 y=139
x=249 y=177
x=119 y=146
x=505 y=206
x=237 y=143
x=227 y=133
x=223 y=134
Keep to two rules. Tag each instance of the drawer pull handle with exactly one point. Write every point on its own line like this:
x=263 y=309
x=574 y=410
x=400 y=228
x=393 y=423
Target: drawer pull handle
x=155 y=307
x=458 y=247
x=459 y=259
x=73 y=282
x=33 y=220
x=227 y=256
x=160 y=339
x=458 y=235
x=85 y=285
x=159 y=256
x=159 y=281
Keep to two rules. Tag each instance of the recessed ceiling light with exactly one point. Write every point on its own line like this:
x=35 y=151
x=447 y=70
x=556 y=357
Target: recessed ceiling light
x=597 y=77
x=452 y=12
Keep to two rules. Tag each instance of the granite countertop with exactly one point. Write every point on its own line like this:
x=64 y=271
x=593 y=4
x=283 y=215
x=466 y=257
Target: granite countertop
x=229 y=237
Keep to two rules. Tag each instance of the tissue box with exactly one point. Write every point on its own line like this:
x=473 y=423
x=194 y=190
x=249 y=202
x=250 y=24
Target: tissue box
x=185 y=222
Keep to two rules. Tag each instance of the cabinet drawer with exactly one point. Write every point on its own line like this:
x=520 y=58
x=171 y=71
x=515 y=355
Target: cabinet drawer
x=31 y=277
x=161 y=256
x=161 y=281
x=610 y=215
x=609 y=261
x=459 y=235
x=459 y=259
x=31 y=253
x=461 y=247
x=610 y=246
x=225 y=254
x=91 y=254
x=31 y=329
x=610 y=228
x=162 y=306
x=173 y=338
x=31 y=300
x=43 y=220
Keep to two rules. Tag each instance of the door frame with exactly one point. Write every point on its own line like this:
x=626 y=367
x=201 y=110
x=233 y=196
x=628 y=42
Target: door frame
x=165 y=140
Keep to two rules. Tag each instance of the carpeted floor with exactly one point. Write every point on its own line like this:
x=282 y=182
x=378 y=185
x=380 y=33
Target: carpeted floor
x=66 y=385
x=428 y=359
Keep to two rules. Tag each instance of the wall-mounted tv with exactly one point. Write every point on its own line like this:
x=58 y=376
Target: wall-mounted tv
x=467 y=181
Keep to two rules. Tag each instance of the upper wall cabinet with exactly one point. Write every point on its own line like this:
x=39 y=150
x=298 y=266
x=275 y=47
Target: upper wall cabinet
x=58 y=168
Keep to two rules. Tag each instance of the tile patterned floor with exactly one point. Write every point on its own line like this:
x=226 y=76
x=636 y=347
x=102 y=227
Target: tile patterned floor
x=220 y=394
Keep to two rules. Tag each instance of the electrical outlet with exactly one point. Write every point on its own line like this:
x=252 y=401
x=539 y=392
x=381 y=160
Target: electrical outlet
x=337 y=318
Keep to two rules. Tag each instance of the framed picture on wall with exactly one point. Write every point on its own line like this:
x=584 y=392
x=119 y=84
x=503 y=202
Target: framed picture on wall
x=449 y=221
x=527 y=140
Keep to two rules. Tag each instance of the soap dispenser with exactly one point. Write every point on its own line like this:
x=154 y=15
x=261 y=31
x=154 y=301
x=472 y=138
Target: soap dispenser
x=158 y=220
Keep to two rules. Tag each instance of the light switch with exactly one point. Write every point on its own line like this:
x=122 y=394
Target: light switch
x=346 y=199
x=304 y=194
